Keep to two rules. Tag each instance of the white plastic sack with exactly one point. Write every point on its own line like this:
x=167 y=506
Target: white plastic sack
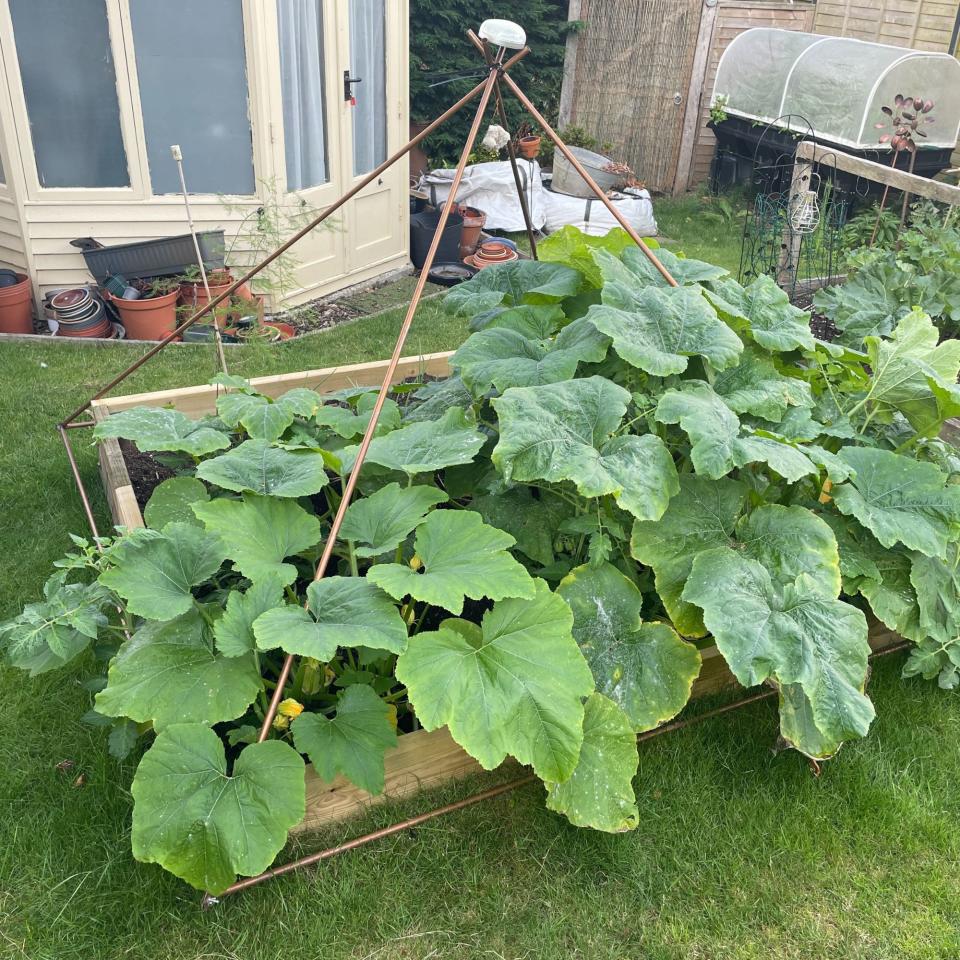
x=490 y=187
x=592 y=217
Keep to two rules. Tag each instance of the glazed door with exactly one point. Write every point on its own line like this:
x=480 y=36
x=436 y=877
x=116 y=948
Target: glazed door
x=342 y=89
x=372 y=108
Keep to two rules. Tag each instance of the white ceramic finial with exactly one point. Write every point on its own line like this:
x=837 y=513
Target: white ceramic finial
x=503 y=33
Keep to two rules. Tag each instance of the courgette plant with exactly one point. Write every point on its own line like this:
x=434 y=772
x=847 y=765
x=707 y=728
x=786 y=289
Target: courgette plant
x=617 y=473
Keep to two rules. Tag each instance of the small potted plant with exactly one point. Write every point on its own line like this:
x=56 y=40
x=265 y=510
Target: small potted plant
x=528 y=143
x=254 y=330
x=193 y=293
x=243 y=318
x=153 y=314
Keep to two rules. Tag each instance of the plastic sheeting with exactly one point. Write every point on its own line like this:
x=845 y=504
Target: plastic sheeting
x=837 y=84
x=593 y=218
x=490 y=187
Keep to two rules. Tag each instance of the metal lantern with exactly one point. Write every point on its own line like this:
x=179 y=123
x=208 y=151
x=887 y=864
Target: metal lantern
x=805 y=209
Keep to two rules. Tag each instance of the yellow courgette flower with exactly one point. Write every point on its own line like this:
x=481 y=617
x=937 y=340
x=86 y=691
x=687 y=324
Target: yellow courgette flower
x=290 y=708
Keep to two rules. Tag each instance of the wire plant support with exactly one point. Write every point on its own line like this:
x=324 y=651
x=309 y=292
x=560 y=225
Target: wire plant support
x=497 y=79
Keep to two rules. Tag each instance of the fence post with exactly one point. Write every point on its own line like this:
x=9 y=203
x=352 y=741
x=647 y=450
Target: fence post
x=691 y=117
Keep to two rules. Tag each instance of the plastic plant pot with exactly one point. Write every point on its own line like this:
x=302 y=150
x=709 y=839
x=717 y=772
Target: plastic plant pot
x=193 y=294
x=94 y=322
x=150 y=318
x=16 y=306
x=199 y=333
x=473 y=223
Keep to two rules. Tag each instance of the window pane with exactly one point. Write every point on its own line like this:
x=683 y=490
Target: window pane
x=368 y=60
x=304 y=108
x=191 y=64
x=70 y=86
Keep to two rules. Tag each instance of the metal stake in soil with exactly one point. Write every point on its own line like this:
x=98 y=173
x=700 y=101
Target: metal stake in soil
x=178 y=157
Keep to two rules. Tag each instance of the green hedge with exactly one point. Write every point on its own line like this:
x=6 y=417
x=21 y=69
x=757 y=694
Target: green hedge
x=439 y=47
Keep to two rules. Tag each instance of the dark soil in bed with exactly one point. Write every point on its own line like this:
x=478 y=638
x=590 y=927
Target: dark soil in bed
x=821 y=326
x=145 y=472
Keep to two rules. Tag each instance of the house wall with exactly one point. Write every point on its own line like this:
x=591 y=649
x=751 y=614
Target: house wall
x=37 y=224
x=52 y=225
x=12 y=248
x=732 y=18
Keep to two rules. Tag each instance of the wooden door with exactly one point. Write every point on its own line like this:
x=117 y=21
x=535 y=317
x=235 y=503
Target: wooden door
x=371 y=51
x=334 y=133
x=630 y=79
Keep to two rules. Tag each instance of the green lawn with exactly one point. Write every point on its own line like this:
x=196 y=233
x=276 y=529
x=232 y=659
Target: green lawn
x=740 y=854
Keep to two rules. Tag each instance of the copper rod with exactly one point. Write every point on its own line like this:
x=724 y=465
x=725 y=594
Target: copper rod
x=521 y=195
x=484 y=48
x=213 y=304
x=387 y=383
x=209 y=901
x=178 y=159
x=84 y=499
x=79 y=424
x=591 y=183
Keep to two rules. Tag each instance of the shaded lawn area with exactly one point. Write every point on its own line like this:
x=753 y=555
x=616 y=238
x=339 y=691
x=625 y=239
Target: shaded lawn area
x=739 y=853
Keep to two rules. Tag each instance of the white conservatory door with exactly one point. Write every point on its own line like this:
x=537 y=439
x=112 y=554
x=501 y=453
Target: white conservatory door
x=335 y=131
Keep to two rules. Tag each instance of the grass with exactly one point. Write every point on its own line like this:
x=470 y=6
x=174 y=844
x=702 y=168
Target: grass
x=715 y=238
x=740 y=854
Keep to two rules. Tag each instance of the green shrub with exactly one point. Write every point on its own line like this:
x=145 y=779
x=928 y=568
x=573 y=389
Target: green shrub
x=439 y=48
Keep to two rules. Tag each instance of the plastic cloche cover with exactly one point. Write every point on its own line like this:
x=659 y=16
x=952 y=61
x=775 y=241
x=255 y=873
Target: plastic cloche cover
x=836 y=84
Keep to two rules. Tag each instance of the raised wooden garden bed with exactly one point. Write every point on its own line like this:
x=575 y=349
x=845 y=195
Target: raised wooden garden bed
x=422 y=760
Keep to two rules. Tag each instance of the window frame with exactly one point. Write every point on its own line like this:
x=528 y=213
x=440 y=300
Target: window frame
x=120 y=28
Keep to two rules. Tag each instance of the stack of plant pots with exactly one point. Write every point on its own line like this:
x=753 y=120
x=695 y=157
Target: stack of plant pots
x=492 y=252
x=80 y=313
x=16 y=302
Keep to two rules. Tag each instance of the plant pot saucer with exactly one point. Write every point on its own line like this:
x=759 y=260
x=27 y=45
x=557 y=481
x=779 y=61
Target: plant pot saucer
x=450 y=274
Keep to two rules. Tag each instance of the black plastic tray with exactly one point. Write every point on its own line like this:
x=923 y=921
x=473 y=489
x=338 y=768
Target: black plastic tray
x=156 y=258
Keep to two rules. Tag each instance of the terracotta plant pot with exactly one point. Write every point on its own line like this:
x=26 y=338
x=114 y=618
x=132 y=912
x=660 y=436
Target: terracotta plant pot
x=148 y=319
x=529 y=147
x=491 y=253
x=273 y=331
x=287 y=331
x=16 y=306
x=473 y=223
x=193 y=293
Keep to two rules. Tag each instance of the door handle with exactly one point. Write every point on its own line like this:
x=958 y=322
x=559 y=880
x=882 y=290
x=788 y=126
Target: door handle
x=348 y=83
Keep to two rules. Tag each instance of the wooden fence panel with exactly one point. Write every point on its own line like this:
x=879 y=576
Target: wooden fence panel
x=633 y=58
x=921 y=24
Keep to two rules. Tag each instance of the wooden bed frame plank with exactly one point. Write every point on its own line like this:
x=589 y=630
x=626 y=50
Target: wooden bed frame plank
x=423 y=760
x=198 y=401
